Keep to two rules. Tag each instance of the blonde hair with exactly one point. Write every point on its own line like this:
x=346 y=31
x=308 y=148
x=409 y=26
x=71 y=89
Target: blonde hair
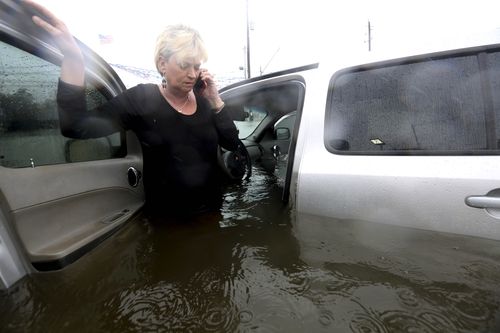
x=182 y=41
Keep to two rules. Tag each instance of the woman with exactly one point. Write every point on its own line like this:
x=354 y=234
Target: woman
x=179 y=128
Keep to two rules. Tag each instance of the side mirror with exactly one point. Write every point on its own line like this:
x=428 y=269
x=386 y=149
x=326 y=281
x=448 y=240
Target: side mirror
x=282 y=133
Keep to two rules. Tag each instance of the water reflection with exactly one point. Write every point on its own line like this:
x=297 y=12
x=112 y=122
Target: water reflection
x=389 y=279
x=256 y=267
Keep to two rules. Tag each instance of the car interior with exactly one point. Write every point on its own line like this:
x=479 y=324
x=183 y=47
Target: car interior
x=265 y=119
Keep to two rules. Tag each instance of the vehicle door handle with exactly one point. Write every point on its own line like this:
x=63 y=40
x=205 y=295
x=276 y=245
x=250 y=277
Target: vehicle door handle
x=276 y=151
x=482 y=201
x=134 y=176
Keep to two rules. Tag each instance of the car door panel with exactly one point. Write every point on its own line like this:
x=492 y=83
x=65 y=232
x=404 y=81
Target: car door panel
x=347 y=187
x=60 y=197
x=57 y=209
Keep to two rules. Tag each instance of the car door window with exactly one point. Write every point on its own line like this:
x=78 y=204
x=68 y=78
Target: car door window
x=254 y=116
x=29 y=125
x=439 y=106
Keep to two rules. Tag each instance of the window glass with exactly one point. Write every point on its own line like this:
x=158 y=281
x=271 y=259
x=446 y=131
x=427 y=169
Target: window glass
x=493 y=65
x=424 y=107
x=29 y=125
x=254 y=111
x=254 y=116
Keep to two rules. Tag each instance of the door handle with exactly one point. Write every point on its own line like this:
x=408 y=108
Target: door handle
x=482 y=201
x=276 y=151
x=134 y=176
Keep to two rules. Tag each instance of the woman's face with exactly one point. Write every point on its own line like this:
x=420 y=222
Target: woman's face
x=180 y=74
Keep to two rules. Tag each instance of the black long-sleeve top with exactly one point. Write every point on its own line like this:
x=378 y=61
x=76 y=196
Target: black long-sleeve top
x=181 y=172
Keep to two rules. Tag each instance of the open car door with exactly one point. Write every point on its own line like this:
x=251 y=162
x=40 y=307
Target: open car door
x=59 y=197
x=267 y=111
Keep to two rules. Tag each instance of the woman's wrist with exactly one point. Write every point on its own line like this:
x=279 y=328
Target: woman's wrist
x=218 y=105
x=219 y=108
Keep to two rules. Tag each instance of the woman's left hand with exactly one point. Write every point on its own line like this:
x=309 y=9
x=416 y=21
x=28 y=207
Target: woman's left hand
x=210 y=90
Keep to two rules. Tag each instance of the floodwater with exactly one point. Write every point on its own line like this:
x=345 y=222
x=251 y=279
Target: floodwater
x=258 y=267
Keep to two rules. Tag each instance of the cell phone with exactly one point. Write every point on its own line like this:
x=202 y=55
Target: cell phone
x=199 y=85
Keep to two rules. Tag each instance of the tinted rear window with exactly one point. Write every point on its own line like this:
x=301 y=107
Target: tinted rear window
x=447 y=105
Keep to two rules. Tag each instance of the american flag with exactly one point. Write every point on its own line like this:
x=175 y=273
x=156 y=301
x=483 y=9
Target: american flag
x=105 y=39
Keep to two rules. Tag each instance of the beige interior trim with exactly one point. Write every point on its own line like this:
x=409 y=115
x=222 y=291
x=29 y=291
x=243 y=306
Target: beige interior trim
x=53 y=230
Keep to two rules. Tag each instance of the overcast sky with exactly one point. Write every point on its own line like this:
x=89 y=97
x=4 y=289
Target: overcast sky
x=284 y=33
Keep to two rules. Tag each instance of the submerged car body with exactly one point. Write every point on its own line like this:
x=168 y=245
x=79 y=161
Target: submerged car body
x=411 y=141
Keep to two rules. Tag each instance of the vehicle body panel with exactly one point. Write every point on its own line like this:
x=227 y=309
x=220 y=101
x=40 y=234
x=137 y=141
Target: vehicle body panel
x=427 y=191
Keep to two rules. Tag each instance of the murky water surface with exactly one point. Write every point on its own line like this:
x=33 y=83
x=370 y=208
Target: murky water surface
x=258 y=268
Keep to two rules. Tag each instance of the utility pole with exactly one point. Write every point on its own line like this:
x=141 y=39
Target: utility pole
x=248 y=46
x=369 y=36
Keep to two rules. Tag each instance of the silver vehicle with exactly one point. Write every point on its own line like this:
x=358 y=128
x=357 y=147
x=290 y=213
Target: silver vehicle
x=411 y=141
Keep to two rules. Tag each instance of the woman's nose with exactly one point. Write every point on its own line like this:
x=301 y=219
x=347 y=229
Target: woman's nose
x=192 y=72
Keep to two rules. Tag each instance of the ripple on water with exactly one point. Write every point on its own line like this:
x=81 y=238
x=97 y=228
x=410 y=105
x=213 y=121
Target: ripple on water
x=408 y=298
x=342 y=288
x=405 y=322
x=153 y=307
x=245 y=316
x=482 y=272
x=367 y=323
x=300 y=283
x=438 y=321
x=219 y=318
x=326 y=318
x=342 y=284
x=470 y=307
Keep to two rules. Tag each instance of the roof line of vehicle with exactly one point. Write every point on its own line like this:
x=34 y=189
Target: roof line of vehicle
x=271 y=75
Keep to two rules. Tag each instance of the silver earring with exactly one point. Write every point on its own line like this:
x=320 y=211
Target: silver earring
x=163 y=82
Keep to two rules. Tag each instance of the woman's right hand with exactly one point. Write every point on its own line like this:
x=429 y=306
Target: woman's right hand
x=72 y=67
x=56 y=28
